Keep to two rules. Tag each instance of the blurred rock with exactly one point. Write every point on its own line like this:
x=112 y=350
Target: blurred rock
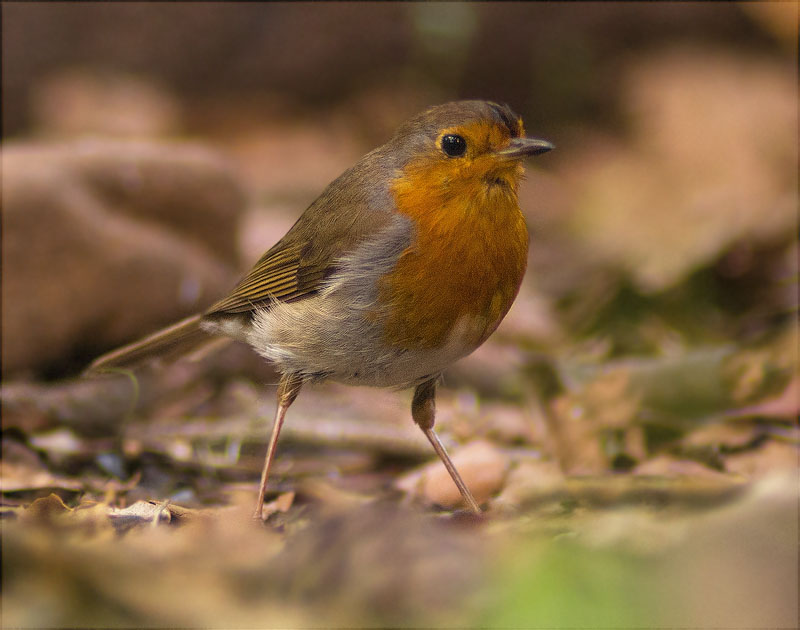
x=288 y=155
x=104 y=241
x=75 y=102
x=713 y=162
x=482 y=465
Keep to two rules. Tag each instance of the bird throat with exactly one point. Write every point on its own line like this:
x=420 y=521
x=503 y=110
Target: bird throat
x=467 y=258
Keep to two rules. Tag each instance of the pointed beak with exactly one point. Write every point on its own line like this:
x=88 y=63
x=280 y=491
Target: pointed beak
x=523 y=147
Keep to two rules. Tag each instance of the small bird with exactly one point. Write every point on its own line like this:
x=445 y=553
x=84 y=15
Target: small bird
x=405 y=263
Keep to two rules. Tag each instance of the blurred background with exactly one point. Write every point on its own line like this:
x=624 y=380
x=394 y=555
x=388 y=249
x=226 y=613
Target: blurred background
x=635 y=415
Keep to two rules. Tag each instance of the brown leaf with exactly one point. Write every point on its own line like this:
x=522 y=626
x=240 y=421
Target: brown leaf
x=46 y=508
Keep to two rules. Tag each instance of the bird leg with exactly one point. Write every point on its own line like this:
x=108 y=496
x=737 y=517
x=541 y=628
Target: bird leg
x=288 y=388
x=423 y=410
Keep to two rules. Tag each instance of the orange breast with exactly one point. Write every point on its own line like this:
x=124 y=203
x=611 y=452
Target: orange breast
x=467 y=259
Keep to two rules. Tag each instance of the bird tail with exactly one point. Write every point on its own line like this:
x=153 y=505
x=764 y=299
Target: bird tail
x=171 y=342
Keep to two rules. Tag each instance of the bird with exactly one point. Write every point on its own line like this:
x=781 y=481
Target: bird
x=407 y=262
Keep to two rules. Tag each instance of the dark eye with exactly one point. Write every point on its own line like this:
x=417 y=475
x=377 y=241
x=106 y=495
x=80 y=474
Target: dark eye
x=453 y=145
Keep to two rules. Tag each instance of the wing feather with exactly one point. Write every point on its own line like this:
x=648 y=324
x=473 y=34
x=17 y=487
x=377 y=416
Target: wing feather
x=336 y=223
x=273 y=277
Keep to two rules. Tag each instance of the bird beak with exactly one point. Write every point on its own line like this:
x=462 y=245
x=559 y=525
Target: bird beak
x=523 y=147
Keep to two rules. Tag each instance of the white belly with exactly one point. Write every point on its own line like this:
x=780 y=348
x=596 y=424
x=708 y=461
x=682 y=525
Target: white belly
x=321 y=337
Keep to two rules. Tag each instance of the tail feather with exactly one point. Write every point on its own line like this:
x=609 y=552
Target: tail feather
x=170 y=342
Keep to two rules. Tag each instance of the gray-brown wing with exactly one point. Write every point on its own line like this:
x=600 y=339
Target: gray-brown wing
x=295 y=267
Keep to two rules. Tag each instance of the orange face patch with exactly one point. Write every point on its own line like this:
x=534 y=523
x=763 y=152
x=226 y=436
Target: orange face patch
x=470 y=247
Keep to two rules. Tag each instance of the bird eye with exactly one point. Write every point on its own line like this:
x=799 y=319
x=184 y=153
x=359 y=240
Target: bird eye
x=453 y=145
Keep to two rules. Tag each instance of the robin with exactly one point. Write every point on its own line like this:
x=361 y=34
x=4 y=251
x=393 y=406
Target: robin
x=406 y=262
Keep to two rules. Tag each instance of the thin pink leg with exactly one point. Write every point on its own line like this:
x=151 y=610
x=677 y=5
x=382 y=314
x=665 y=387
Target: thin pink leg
x=423 y=410
x=288 y=388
